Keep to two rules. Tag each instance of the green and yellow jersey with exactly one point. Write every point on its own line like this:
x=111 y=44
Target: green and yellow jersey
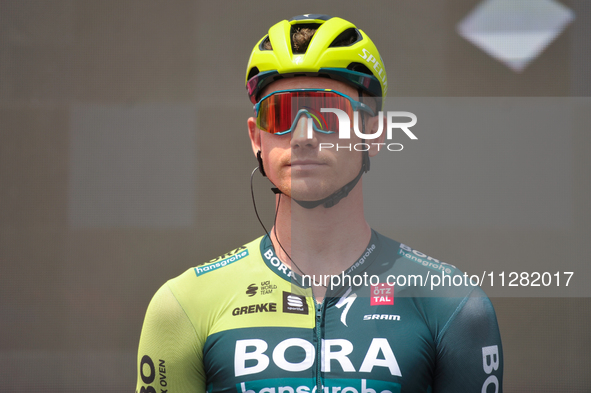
x=245 y=323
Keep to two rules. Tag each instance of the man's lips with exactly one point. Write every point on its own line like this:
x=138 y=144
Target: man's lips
x=305 y=165
x=304 y=162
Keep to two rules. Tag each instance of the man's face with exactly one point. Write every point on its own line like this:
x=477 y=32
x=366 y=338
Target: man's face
x=295 y=163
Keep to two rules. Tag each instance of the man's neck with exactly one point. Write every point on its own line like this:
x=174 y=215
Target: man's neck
x=321 y=241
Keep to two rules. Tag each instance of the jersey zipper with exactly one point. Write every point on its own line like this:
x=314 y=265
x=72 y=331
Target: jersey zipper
x=318 y=345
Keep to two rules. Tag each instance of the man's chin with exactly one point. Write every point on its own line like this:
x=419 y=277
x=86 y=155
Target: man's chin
x=308 y=191
x=308 y=196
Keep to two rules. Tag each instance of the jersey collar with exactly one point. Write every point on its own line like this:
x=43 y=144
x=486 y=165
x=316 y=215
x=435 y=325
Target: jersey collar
x=361 y=264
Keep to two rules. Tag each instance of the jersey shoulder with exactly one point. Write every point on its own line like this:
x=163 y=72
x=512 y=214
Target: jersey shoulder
x=233 y=264
x=414 y=260
x=442 y=292
x=419 y=275
x=199 y=285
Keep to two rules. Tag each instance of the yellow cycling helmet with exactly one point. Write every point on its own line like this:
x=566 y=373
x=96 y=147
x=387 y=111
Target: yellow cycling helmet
x=328 y=55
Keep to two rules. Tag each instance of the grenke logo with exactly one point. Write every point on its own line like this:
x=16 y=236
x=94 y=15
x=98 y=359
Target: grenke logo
x=345 y=130
x=255 y=308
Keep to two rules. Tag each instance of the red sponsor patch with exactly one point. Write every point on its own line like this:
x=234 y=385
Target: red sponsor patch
x=382 y=294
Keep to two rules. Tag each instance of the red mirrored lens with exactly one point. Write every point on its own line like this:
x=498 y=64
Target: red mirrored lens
x=278 y=111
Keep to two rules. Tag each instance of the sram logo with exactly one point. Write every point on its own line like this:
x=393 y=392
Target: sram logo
x=379 y=354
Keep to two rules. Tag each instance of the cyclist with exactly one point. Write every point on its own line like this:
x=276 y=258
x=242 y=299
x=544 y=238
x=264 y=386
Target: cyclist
x=270 y=316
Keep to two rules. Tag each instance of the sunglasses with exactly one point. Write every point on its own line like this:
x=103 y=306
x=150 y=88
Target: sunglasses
x=279 y=112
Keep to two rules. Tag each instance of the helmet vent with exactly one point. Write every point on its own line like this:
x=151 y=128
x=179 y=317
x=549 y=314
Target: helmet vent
x=359 y=68
x=346 y=38
x=266 y=44
x=301 y=35
x=253 y=71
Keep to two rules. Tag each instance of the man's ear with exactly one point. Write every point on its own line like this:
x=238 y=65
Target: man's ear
x=255 y=139
x=255 y=135
x=372 y=125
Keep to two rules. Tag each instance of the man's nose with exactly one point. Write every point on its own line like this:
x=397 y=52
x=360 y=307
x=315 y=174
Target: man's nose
x=299 y=136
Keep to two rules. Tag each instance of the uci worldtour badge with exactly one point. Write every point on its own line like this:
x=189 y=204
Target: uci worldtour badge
x=294 y=304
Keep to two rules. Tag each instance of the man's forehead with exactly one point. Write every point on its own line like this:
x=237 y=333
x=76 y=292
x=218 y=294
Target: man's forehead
x=309 y=82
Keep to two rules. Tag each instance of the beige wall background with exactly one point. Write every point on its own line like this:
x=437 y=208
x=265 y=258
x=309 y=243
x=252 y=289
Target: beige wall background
x=124 y=160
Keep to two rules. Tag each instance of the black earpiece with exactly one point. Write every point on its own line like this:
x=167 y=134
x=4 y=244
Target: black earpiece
x=260 y=160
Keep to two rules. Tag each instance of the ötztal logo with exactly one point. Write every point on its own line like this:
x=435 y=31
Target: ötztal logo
x=344 y=130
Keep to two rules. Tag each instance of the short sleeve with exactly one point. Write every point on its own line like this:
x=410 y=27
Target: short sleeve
x=469 y=350
x=169 y=355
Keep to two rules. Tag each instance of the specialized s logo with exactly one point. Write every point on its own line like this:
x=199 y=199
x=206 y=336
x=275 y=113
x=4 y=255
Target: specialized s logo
x=347 y=300
x=294 y=304
x=252 y=290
